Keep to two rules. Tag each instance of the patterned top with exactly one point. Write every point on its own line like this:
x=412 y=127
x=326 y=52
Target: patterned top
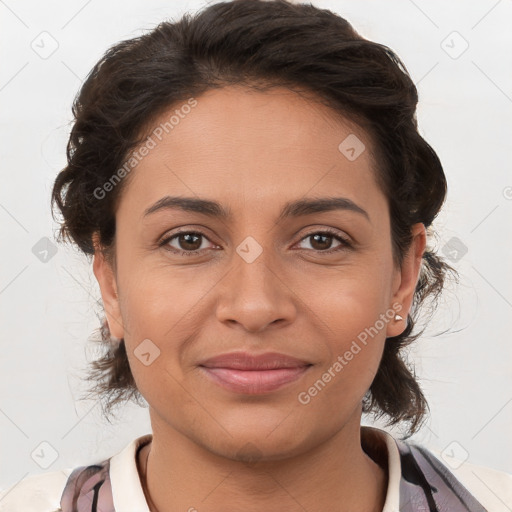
x=418 y=481
x=426 y=485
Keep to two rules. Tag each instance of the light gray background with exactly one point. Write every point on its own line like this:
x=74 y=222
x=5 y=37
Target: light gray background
x=48 y=310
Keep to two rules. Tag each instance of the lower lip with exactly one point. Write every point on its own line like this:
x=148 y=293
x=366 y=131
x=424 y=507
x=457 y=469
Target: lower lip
x=254 y=382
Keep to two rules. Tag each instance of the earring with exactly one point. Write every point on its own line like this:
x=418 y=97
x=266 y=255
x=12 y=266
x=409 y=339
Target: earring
x=398 y=318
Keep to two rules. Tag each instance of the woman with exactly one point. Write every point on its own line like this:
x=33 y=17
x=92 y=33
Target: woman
x=257 y=200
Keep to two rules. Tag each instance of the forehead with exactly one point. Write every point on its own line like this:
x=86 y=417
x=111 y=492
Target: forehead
x=237 y=142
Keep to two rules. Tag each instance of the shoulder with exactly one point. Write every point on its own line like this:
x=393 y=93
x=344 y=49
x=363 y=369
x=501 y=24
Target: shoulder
x=35 y=493
x=48 y=492
x=492 y=488
x=449 y=480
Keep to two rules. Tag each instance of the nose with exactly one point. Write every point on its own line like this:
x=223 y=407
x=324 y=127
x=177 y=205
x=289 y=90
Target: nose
x=255 y=295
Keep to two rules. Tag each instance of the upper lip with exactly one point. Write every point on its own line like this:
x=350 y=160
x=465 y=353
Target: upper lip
x=248 y=361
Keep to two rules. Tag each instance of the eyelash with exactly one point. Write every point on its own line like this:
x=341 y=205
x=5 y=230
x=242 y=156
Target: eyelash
x=345 y=244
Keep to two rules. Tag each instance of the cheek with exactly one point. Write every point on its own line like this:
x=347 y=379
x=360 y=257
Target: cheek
x=353 y=318
x=162 y=309
x=157 y=300
x=352 y=304
x=354 y=347
x=168 y=307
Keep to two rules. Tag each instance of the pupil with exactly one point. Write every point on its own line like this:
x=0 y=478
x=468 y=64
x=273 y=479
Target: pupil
x=322 y=246
x=317 y=240
x=187 y=240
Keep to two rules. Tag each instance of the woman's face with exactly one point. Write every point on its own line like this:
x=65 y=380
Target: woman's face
x=264 y=278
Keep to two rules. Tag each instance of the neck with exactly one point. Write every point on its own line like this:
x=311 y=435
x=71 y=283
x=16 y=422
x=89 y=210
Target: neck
x=181 y=475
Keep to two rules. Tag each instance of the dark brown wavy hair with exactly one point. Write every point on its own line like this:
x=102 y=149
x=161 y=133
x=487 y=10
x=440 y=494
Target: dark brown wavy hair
x=258 y=44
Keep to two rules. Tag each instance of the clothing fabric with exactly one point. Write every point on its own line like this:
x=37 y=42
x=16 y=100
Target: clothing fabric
x=417 y=481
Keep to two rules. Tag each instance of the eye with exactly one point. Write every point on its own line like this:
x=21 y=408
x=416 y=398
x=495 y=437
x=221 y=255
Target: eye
x=321 y=241
x=188 y=242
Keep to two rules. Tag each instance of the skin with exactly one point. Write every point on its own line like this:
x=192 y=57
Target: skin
x=252 y=152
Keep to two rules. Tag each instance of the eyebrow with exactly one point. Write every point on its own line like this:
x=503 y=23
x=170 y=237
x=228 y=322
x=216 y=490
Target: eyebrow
x=296 y=208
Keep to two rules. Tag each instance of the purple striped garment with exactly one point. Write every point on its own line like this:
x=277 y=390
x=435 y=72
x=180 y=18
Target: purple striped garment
x=426 y=485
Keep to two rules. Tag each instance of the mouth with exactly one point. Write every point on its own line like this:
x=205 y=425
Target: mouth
x=241 y=372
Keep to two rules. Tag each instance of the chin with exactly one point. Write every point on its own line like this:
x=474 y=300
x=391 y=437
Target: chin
x=260 y=443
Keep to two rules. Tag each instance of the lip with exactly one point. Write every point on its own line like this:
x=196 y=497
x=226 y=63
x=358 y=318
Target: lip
x=242 y=372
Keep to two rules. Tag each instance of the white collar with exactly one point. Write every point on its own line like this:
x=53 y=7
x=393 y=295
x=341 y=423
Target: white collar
x=128 y=494
x=125 y=480
x=392 y=503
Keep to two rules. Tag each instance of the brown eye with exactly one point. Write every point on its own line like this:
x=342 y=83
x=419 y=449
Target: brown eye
x=185 y=243
x=189 y=241
x=322 y=241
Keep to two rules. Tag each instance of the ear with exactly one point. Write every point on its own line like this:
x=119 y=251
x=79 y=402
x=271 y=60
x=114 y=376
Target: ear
x=406 y=279
x=108 y=287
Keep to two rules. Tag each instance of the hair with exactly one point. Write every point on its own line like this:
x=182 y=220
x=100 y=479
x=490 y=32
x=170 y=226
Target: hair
x=257 y=44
